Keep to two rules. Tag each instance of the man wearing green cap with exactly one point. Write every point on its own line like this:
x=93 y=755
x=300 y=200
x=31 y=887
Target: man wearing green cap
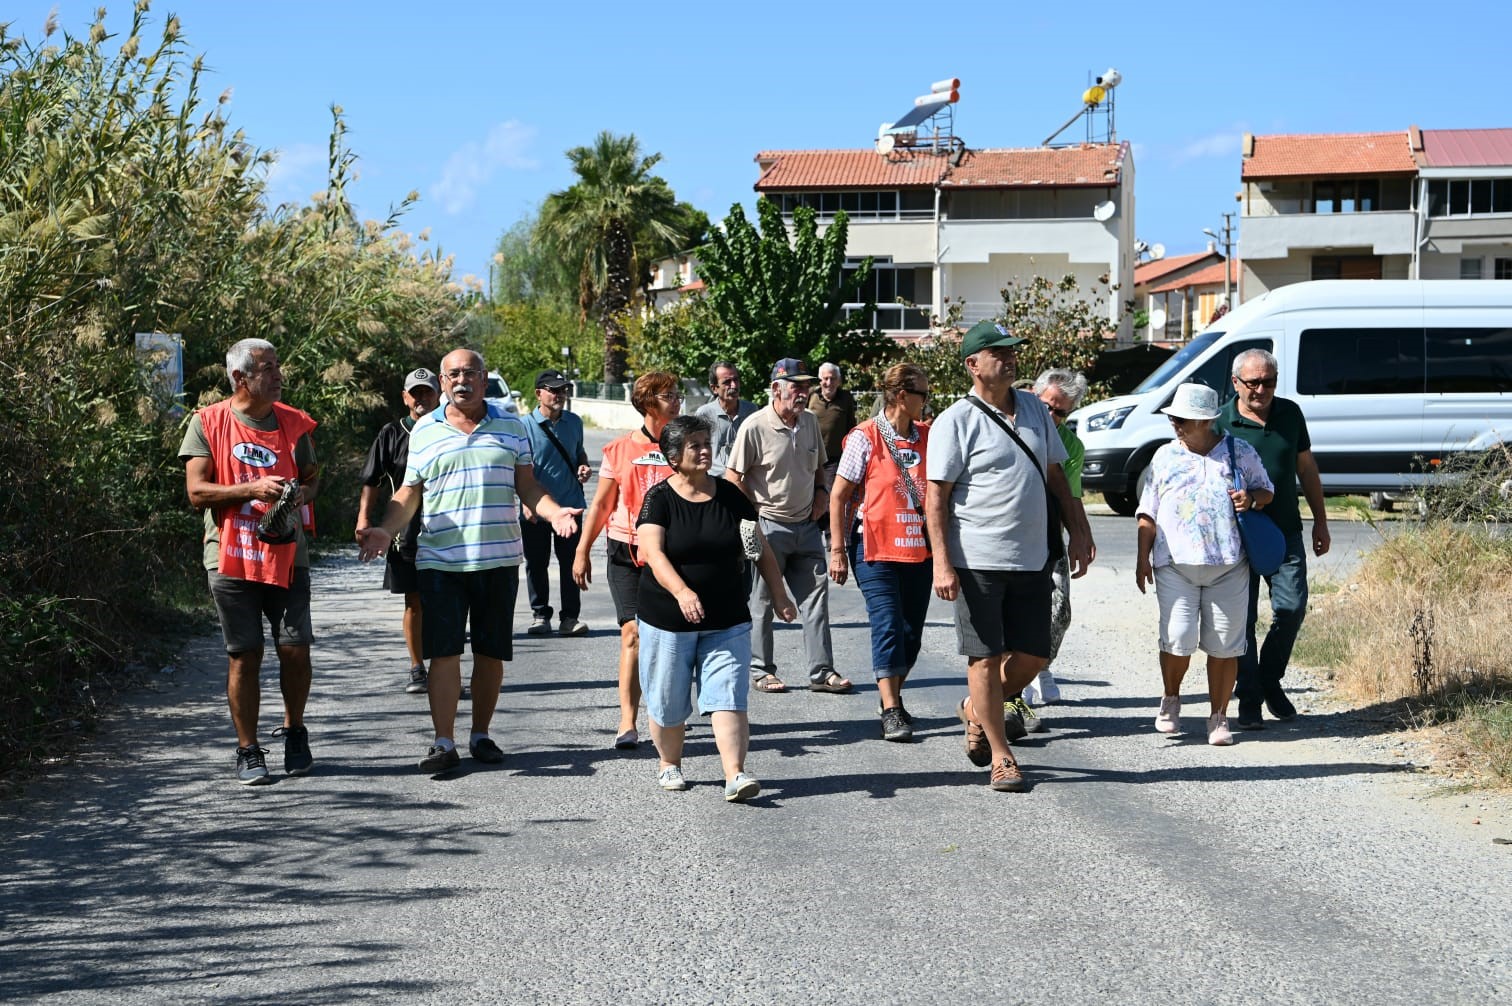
x=994 y=460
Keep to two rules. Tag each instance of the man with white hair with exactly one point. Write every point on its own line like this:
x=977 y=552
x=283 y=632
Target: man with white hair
x=1276 y=428
x=239 y=455
x=835 y=408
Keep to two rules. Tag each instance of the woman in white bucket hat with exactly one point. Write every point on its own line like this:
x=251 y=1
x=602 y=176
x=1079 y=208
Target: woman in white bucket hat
x=1189 y=547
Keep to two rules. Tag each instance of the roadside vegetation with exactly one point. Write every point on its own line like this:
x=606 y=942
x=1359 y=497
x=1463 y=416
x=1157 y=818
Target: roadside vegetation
x=130 y=204
x=1424 y=627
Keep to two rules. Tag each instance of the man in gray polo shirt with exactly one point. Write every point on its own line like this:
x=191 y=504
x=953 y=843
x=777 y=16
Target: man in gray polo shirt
x=987 y=505
x=778 y=461
x=726 y=412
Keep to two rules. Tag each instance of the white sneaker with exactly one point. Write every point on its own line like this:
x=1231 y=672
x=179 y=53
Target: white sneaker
x=1219 y=734
x=1049 y=691
x=671 y=779
x=1031 y=695
x=1168 y=720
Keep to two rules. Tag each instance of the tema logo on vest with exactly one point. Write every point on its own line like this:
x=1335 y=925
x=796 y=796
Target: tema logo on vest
x=255 y=455
x=651 y=458
x=909 y=458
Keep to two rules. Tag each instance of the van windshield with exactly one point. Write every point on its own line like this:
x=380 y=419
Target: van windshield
x=1184 y=356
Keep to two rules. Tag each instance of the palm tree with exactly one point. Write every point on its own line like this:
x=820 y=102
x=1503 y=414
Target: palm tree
x=595 y=224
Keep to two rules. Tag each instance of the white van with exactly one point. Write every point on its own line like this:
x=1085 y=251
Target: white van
x=1392 y=376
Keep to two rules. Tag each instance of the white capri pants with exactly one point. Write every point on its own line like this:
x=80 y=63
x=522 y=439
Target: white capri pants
x=1203 y=607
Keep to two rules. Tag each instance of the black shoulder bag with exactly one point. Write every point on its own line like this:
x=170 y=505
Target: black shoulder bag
x=551 y=435
x=1052 y=505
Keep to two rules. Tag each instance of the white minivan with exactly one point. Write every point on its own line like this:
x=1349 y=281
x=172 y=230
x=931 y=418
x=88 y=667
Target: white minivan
x=1392 y=375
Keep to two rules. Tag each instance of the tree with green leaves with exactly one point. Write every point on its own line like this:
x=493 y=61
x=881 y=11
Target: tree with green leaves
x=596 y=223
x=784 y=294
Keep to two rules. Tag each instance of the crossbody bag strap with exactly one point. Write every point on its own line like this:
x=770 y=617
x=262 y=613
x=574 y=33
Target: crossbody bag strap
x=987 y=410
x=551 y=435
x=890 y=440
x=1234 y=463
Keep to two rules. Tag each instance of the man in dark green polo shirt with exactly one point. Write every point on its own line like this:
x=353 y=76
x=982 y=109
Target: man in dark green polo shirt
x=1276 y=428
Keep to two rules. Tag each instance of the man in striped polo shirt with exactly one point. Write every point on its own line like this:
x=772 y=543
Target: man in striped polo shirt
x=472 y=463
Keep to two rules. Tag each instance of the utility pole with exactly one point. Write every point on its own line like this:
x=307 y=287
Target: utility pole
x=1227 y=241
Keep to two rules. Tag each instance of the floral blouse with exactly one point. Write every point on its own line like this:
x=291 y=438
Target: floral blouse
x=1188 y=498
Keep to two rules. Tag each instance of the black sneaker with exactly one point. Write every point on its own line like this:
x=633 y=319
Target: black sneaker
x=419 y=681
x=439 y=759
x=894 y=727
x=297 y=757
x=1249 y=717
x=907 y=718
x=486 y=751
x=252 y=766
x=1279 y=705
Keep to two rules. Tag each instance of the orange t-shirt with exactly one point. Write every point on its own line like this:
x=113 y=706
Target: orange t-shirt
x=635 y=464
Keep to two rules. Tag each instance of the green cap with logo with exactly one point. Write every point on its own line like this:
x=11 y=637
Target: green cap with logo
x=985 y=335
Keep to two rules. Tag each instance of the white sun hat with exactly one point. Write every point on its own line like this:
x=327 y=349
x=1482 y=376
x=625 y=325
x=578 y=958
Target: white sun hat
x=1193 y=401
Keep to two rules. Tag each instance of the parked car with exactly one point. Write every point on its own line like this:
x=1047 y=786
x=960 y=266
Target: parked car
x=498 y=391
x=1393 y=376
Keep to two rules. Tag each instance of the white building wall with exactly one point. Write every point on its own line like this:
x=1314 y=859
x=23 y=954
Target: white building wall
x=980 y=285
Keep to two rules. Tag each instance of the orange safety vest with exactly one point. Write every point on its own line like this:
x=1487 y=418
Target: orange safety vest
x=637 y=464
x=892 y=530
x=243 y=454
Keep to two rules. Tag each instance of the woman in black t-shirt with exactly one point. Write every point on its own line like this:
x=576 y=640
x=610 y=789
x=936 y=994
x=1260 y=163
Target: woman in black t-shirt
x=694 y=534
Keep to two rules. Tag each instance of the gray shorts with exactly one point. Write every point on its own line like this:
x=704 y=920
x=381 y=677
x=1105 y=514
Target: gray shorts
x=243 y=604
x=1003 y=611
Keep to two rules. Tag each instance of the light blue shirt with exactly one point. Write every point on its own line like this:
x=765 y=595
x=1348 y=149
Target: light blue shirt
x=552 y=471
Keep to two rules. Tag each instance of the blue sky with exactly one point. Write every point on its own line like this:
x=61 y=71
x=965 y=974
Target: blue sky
x=474 y=103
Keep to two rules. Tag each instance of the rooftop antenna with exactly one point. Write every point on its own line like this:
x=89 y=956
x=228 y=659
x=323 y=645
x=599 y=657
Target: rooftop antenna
x=930 y=123
x=1097 y=97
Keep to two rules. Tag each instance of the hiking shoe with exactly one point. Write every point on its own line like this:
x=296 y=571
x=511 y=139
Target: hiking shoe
x=1033 y=722
x=1049 y=691
x=573 y=627
x=486 y=751
x=1279 y=705
x=1218 y=731
x=671 y=779
x=894 y=728
x=297 y=757
x=439 y=759
x=419 y=681
x=1249 y=717
x=1006 y=777
x=977 y=748
x=904 y=713
x=539 y=627
x=252 y=766
x=741 y=788
x=1014 y=727
x=1168 y=720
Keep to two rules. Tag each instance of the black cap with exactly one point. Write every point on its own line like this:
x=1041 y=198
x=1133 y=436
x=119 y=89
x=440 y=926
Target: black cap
x=552 y=379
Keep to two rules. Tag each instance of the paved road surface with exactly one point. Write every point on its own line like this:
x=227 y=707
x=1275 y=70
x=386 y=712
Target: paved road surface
x=1287 y=868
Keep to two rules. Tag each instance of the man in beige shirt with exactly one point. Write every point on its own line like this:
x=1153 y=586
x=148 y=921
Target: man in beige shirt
x=778 y=461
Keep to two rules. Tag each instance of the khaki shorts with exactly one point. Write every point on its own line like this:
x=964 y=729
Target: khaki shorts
x=1203 y=607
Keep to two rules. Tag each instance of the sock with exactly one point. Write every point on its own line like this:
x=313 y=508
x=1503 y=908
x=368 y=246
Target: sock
x=478 y=736
x=445 y=742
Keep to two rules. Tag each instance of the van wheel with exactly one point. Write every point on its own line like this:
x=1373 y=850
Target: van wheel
x=1378 y=501
x=1123 y=504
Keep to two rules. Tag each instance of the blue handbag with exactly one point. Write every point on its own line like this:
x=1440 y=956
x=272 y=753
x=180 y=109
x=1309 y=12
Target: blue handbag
x=1264 y=543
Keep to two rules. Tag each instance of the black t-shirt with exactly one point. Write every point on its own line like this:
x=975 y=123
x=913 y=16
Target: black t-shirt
x=386 y=461
x=702 y=541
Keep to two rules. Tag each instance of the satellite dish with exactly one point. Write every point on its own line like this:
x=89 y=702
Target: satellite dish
x=1157 y=319
x=885 y=144
x=1157 y=252
x=1104 y=210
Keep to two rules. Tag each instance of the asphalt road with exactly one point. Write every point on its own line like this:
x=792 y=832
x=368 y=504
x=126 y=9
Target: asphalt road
x=1289 y=867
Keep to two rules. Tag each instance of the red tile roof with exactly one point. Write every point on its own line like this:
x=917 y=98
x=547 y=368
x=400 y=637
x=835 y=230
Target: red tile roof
x=1210 y=276
x=1148 y=272
x=790 y=170
x=1323 y=154
x=1467 y=148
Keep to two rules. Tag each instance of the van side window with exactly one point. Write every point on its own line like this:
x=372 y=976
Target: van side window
x=1469 y=359
x=1360 y=361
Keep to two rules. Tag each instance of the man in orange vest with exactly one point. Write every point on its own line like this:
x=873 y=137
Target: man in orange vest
x=239 y=454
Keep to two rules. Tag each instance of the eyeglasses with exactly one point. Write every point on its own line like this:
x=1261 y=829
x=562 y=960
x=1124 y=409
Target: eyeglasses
x=1258 y=383
x=461 y=374
x=730 y=382
x=1058 y=413
x=558 y=391
x=1177 y=421
x=916 y=391
x=670 y=396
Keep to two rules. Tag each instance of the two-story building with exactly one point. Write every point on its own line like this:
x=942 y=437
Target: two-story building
x=1409 y=204
x=954 y=227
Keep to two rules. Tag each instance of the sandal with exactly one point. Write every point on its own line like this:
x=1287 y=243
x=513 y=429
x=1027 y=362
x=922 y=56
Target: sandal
x=829 y=680
x=1006 y=777
x=769 y=683
x=977 y=748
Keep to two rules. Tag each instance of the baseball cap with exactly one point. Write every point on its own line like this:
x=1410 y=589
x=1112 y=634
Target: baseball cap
x=985 y=335
x=789 y=369
x=421 y=376
x=552 y=379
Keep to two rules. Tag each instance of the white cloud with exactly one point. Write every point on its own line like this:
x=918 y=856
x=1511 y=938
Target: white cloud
x=1220 y=144
x=472 y=165
x=297 y=173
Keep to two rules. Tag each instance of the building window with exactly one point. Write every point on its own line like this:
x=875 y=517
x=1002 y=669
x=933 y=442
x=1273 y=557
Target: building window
x=902 y=295
x=1470 y=268
x=1503 y=268
x=1346 y=267
x=856 y=205
x=1349 y=195
x=1463 y=197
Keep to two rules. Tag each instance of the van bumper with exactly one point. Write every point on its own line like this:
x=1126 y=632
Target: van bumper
x=1107 y=470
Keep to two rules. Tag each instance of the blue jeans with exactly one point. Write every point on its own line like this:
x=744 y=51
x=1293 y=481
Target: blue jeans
x=897 y=601
x=1262 y=668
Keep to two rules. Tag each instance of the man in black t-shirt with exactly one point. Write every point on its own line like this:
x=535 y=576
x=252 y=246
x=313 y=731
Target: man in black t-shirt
x=385 y=463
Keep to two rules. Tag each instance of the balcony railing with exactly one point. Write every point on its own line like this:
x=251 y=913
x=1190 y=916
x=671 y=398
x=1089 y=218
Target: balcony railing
x=891 y=317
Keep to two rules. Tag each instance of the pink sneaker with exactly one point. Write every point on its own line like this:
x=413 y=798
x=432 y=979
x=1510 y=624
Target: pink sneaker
x=1219 y=734
x=1168 y=720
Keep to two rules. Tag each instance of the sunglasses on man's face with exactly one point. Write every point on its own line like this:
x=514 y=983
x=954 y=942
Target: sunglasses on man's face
x=1257 y=383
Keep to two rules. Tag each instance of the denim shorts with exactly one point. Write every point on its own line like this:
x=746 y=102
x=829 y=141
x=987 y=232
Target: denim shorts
x=672 y=663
